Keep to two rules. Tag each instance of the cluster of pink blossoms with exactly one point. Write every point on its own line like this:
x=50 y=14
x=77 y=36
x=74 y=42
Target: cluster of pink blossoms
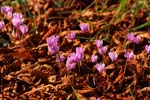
x=101 y=49
x=77 y=56
x=112 y=55
x=17 y=20
x=74 y=58
x=134 y=39
x=7 y=11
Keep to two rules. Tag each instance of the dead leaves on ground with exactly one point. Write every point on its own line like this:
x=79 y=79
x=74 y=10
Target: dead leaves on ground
x=29 y=72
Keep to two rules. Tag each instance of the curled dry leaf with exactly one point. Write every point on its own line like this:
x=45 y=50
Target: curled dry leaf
x=43 y=71
x=40 y=89
x=145 y=89
x=25 y=79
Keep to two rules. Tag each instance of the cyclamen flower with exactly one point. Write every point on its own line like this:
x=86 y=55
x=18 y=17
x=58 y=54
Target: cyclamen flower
x=17 y=19
x=75 y=58
x=2 y=24
x=70 y=64
x=137 y=39
x=23 y=29
x=16 y=22
x=79 y=54
x=84 y=27
x=131 y=37
x=52 y=40
x=147 y=48
x=134 y=39
x=129 y=55
x=18 y=15
x=80 y=50
x=94 y=58
x=103 y=50
x=113 y=56
x=53 y=44
x=71 y=36
x=7 y=10
x=100 y=67
x=99 y=43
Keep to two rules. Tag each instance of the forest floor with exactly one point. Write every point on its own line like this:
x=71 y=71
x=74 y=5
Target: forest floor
x=29 y=71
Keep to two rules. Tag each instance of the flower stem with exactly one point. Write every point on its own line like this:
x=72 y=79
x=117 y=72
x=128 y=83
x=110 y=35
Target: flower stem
x=124 y=73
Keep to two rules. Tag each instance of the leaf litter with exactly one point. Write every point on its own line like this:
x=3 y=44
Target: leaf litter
x=29 y=71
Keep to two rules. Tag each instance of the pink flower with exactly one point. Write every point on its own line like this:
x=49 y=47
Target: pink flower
x=94 y=58
x=17 y=19
x=113 y=56
x=79 y=50
x=99 y=43
x=134 y=39
x=137 y=39
x=79 y=54
x=75 y=58
x=102 y=50
x=7 y=10
x=129 y=55
x=84 y=27
x=70 y=64
x=147 y=48
x=53 y=49
x=2 y=24
x=23 y=29
x=131 y=37
x=16 y=22
x=100 y=67
x=52 y=40
x=18 y=15
x=53 y=44
x=71 y=36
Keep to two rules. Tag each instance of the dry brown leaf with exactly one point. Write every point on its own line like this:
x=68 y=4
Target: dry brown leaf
x=50 y=31
x=8 y=77
x=118 y=79
x=86 y=91
x=41 y=88
x=145 y=89
x=43 y=71
x=111 y=66
x=25 y=79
